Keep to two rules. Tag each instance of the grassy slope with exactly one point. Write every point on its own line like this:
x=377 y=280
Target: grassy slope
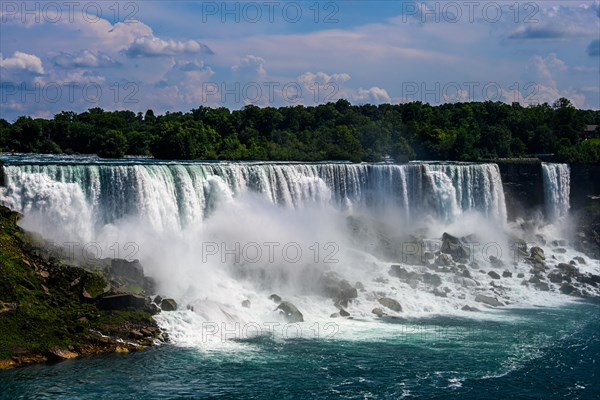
x=41 y=303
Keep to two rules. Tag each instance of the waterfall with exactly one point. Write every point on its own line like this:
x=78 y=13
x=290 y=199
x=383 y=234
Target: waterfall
x=557 y=187
x=88 y=196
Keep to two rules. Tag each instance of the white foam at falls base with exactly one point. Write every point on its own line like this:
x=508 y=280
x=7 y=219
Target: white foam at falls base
x=172 y=211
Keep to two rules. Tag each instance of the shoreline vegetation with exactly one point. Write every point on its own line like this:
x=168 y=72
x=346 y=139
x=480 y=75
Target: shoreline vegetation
x=474 y=131
x=55 y=307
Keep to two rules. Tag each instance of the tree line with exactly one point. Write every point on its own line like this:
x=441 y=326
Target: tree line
x=333 y=131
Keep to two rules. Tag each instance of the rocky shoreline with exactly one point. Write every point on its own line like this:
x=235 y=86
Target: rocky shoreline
x=55 y=308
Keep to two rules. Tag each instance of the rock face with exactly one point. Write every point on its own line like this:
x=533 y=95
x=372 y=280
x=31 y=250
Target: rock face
x=391 y=304
x=122 y=302
x=290 y=312
x=490 y=301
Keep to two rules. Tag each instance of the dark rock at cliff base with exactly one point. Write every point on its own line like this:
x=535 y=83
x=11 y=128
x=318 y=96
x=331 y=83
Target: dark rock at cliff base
x=455 y=247
x=168 y=305
x=537 y=253
x=378 y=311
x=131 y=270
x=469 y=308
x=122 y=302
x=275 y=298
x=490 y=301
x=493 y=275
x=507 y=274
x=290 y=312
x=390 y=303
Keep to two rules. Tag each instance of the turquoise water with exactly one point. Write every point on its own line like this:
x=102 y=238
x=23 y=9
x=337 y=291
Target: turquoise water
x=541 y=353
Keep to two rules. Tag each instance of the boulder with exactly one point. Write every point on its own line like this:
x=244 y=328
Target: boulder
x=122 y=302
x=568 y=269
x=580 y=260
x=390 y=303
x=520 y=275
x=246 y=303
x=493 y=275
x=490 y=301
x=275 y=298
x=560 y=250
x=454 y=246
x=58 y=354
x=555 y=277
x=359 y=286
x=507 y=274
x=344 y=313
x=290 y=312
x=168 y=305
x=537 y=253
x=131 y=270
x=378 y=311
x=432 y=279
x=469 y=308
x=567 y=288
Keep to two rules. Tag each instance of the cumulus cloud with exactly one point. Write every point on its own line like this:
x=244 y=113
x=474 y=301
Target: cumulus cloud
x=152 y=46
x=22 y=62
x=373 y=95
x=250 y=67
x=83 y=59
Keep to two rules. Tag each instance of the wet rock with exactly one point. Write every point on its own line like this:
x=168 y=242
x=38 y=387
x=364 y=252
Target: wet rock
x=359 y=286
x=507 y=274
x=537 y=253
x=378 y=311
x=432 y=279
x=496 y=262
x=136 y=334
x=344 y=313
x=567 y=288
x=246 y=304
x=568 y=269
x=555 y=277
x=560 y=250
x=275 y=298
x=465 y=273
x=469 y=308
x=520 y=275
x=543 y=286
x=541 y=239
x=443 y=260
x=290 y=312
x=455 y=247
x=560 y=242
x=440 y=293
x=390 y=303
x=334 y=315
x=580 y=260
x=168 y=305
x=493 y=275
x=465 y=282
x=122 y=302
x=490 y=301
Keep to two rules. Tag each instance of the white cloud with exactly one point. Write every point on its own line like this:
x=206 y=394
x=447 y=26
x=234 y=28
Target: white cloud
x=152 y=46
x=83 y=59
x=22 y=62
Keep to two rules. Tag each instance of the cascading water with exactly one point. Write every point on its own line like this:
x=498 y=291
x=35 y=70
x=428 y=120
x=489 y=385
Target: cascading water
x=214 y=235
x=557 y=187
x=174 y=196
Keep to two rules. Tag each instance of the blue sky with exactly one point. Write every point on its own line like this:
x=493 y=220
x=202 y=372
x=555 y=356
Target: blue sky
x=178 y=55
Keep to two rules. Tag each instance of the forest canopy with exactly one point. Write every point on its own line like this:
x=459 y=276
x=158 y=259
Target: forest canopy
x=332 y=131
